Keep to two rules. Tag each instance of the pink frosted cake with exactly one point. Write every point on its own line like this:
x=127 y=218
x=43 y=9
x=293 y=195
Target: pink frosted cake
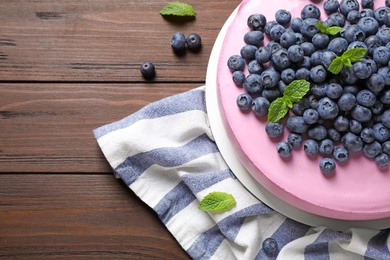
x=358 y=189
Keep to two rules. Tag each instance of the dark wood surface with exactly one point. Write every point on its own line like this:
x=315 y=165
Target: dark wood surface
x=67 y=67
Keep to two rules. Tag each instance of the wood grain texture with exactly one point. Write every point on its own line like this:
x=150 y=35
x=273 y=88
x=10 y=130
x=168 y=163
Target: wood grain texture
x=67 y=67
x=77 y=217
x=102 y=40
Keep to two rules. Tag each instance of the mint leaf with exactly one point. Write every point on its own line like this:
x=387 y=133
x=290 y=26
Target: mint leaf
x=217 y=201
x=355 y=54
x=346 y=61
x=178 y=9
x=336 y=66
x=332 y=30
x=297 y=89
x=277 y=110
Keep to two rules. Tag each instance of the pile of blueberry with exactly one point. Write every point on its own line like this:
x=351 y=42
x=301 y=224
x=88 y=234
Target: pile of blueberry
x=341 y=114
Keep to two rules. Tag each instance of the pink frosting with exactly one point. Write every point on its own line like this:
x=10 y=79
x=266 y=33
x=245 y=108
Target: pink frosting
x=358 y=190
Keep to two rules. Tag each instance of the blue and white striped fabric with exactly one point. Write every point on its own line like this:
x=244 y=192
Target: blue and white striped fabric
x=167 y=155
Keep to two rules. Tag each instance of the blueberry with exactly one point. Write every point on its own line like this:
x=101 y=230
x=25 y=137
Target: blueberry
x=270 y=247
x=263 y=54
x=327 y=166
x=348 y=5
x=341 y=154
x=384 y=34
x=318 y=73
x=260 y=106
x=385 y=118
x=295 y=53
x=296 y=124
x=372 y=42
x=380 y=14
x=254 y=67
x=305 y=63
x=385 y=73
x=194 y=42
x=300 y=39
x=268 y=26
x=353 y=16
x=269 y=78
x=366 y=98
x=352 y=89
x=238 y=77
x=302 y=73
x=276 y=32
x=252 y=84
x=354 y=33
x=331 y=6
x=335 y=19
x=357 y=44
x=386 y=147
x=236 y=62
x=287 y=75
x=280 y=59
x=309 y=28
x=361 y=114
x=274 y=46
x=334 y=135
x=254 y=38
x=352 y=142
x=256 y=22
x=317 y=132
x=295 y=24
x=385 y=97
x=381 y=55
x=310 y=147
x=326 y=147
x=288 y=38
x=271 y=93
x=248 y=52
x=283 y=16
x=316 y=58
x=367 y=135
x=284 y=149
x=377 y=108
x=327 y=108
x=375 y=83
x=381 y=132
x=372 y=149
x=310 y=11
x=244 y=101
x=178 y=42
x=274 y=130
x=310 y=116
x=318 y=90
x=369 y=25
x=355 y=126
x=300 y=107
x=348 y=76
x=334 y=90
x=148 y=70
x=320 y=40
x=308 y=48
x=295 y=140
x=367 y=3
x=367 y=12
x=341 y=123
x=382 y=160
x=338 y=45
x=327 y=57
x=362 y=69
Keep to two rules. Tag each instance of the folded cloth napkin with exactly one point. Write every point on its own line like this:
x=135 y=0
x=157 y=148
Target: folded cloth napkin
x=166 y=154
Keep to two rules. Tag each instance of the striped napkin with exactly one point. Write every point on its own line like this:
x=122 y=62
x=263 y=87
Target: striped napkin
x=166 y=154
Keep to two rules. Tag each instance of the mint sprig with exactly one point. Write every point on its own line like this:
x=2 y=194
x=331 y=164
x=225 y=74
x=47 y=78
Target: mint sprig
x=293 y=93
x=329 y=30
x=178 y=9
x=346 y=59
x=217 y=202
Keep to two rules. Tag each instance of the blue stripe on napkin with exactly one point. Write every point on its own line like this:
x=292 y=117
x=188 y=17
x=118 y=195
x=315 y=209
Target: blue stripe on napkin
x=174 y=177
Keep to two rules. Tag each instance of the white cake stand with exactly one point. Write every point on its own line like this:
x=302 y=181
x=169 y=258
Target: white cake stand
x=228 y=153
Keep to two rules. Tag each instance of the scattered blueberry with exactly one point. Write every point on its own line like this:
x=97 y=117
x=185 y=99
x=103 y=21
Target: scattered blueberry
x=244 y=101
x=178 y=42
x=194 y=42
x=148 y=70
x=341 y=154
x=270 y=247
x=260 y=106
x=327 y=166
x=274 y=130
x=284 y=149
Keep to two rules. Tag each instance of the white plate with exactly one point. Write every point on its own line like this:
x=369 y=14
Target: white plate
x=243 y=175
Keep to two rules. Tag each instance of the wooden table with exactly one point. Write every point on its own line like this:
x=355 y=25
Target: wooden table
x=66 y=68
